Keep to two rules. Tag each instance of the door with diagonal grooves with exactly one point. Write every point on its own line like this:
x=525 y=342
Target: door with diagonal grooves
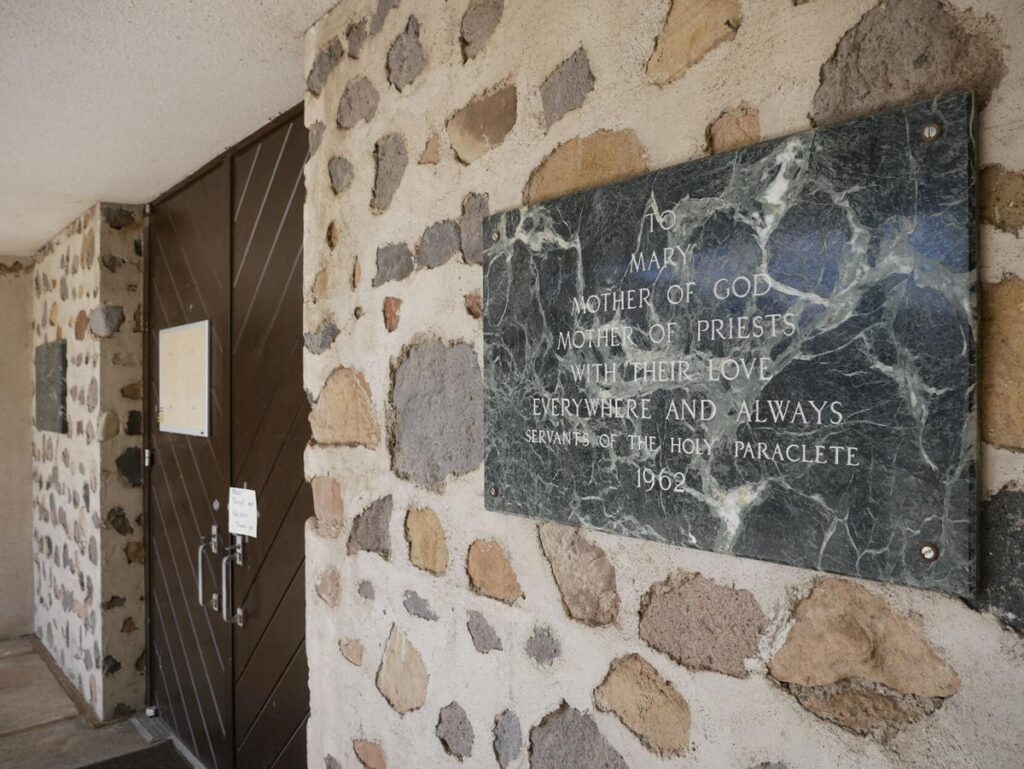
x=190 y=647
x=227 y=247
x=270 y=429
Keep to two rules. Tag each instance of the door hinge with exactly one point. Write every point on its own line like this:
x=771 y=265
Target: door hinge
x=147 y=457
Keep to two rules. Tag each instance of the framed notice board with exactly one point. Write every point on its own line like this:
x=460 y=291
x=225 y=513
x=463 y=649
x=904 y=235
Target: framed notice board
x=183 y=371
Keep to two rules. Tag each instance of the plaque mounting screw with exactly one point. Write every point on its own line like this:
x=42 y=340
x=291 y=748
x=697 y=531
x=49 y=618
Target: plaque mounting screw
x=931 y=132
x=495 y=236
x=929 y=551
x=494 y=491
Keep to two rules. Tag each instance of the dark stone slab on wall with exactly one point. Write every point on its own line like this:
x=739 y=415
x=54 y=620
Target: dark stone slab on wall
x=768 y=353
x=52 y=387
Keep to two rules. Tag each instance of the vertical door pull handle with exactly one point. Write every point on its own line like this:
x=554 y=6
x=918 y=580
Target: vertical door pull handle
x=212 y=542
x=232 y=554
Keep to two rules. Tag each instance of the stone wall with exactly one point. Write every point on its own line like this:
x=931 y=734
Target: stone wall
x=15 y=450
x=87 y=484
x=438 y=631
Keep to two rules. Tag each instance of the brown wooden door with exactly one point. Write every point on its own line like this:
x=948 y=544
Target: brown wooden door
x=250 y=255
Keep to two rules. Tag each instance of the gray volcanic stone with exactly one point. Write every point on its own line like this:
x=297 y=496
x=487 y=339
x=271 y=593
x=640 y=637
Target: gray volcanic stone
x=105 y=320
x=455 y=731
x=320 y=339
x=543 y=647
x=316 y=137
x=478 y=24
x=1001 y=548
x=326 y=60
x=569 y=739
x=406 y=58
x=117 y=519
x=418 y=606
x=475 y=209
x=117 y=218
x=392 y=158
x=439 y=243
x=483 y=635
x=129 y=466
x=358 y=102
x=366 y=590
x=356 y=37
x=380 y=15
x=438 y=401
x=904 y=50
x=371 y=529
x=508 y=738
x=133 y=425
x=394 y=262
x=341 y=172
x=566 y=87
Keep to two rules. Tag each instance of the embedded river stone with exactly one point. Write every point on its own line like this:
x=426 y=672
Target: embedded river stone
x=438 y=401
x=352 y=650
x=106 y=320
x=343 y=412
x=566 y=87
x=370 y=754
x=478 y=24
x=406 y=58
x=1001 y=198
x=700 y=624
x=483 y=123
x=358 y=102
x=1002 y=360
x=542 y=647
x=439 y=243
x=475 y=209
x=455 y=731
x=733 y=129
x=490 y=572
x=585 y=576
x=392 y=158
x=600 y=158
x=508 y=738
x=902 y=50
x=484 y=638
x=569 y=739
x=647 y=704
x=355 y=36
x=692 y=29
x=428 y=549
x=327 y=502
x=324 y=62
x=371 y=529
x=418 y=606
x=1001 y=545
x=402 y=677
x=394 y=262
x=328 y=587
x=322 y=337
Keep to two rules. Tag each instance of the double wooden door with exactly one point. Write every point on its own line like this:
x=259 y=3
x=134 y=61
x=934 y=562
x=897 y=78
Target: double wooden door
x=228 y=668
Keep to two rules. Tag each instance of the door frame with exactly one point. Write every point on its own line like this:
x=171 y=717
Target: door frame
x=148 y=372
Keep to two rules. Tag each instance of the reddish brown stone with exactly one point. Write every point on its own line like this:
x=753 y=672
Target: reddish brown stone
x=392 y=305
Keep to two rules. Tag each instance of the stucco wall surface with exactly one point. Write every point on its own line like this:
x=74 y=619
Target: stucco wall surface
x=87 y=484
x=459 y=635
x=16 y=449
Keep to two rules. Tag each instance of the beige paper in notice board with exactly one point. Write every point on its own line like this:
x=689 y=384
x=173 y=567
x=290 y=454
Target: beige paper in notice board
x=184 y=379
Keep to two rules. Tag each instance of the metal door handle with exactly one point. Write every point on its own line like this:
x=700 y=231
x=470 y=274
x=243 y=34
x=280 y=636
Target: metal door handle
x=233 y=553
x=206 y=542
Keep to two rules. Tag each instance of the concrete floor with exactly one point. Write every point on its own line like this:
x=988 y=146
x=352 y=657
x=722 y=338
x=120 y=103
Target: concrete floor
x=41 y=727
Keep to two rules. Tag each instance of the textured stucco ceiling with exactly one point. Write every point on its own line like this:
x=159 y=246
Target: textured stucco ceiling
x=116 y=100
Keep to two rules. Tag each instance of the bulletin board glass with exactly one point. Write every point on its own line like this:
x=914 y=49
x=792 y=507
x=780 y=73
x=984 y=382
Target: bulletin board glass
x=183 y=370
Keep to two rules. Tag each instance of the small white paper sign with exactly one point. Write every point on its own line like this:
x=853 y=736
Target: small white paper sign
x=242 y=512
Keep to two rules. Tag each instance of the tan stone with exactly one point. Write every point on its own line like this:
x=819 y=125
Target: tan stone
x=864 y=707
x=402 y=677
x=343 y=414
x=431 y=154
x=483 y=123
x=1002 y=363
x=352 y=650
x=327 y=501
x=321 y=284
x=647 y=704
x=392 y=305
x=701 y=624
x=490 y=572
x=842 y=631
x=427 y=546
x=109 y=425
x=692 y=29
x=370 y=754
x=585 y=576
x=733 y=129
x=1001 y=198
x=132 y=391
x=328 y=587
x=81 y=324
x=601 y=158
